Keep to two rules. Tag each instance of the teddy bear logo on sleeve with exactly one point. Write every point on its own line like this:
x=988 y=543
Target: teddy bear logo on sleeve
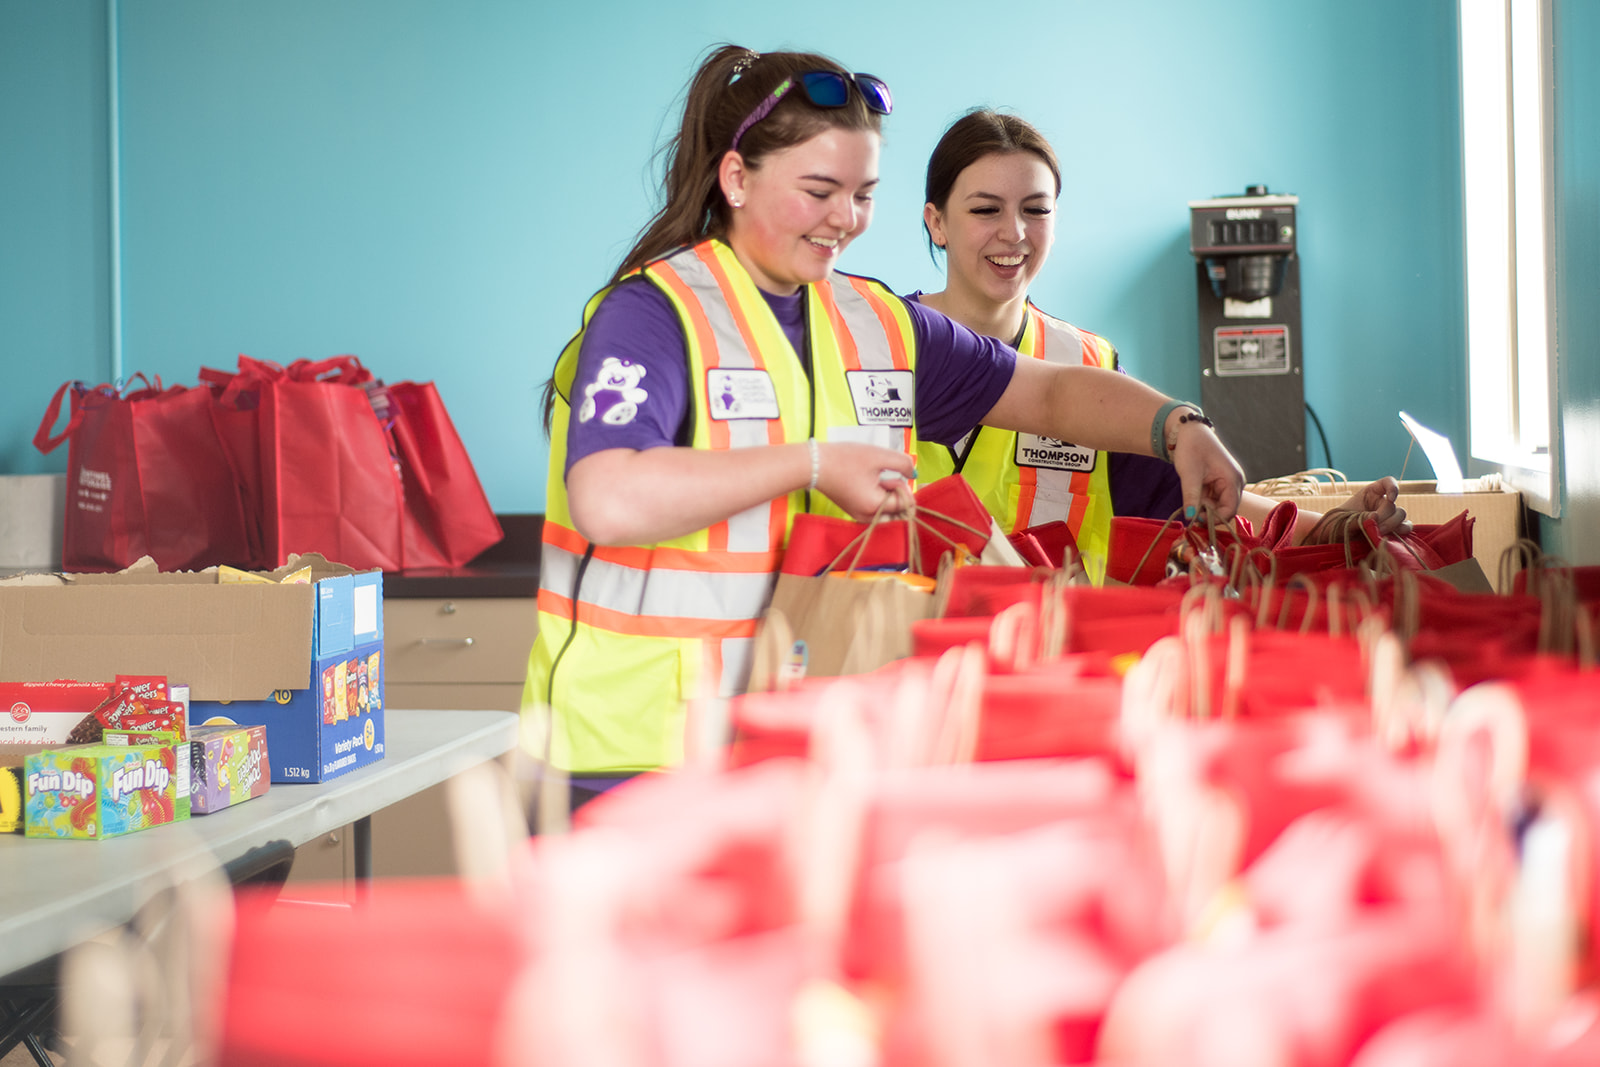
x=614 y=395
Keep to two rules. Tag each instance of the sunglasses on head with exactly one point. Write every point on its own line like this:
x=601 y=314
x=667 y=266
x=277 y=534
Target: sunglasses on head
x=825 y=89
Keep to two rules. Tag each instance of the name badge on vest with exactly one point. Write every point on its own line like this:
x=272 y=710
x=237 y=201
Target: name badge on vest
x=883 y=397
x=1051 y=454
x=741 y=393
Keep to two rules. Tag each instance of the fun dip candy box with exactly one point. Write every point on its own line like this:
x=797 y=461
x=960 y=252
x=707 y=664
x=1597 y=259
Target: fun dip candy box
x=173 y=737
x=99 y=791
x=228 y=766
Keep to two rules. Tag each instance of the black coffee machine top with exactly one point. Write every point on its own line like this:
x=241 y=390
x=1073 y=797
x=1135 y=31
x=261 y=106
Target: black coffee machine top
x=1244 y=241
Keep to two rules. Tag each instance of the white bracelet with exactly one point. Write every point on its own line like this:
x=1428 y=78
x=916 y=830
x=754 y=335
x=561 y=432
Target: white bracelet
x=816 y=462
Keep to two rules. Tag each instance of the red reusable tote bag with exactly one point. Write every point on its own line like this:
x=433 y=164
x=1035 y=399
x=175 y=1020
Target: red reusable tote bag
x=147 y=476
x=329 y=483
x=447 y=520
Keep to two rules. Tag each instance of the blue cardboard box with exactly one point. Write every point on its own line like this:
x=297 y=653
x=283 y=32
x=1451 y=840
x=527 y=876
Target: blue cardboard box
x=334 y=723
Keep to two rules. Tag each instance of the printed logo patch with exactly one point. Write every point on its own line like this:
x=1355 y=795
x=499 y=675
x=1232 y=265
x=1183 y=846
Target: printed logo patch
x=1049 y=453
x=614 y=395
x=741 y=393
x=883 y=397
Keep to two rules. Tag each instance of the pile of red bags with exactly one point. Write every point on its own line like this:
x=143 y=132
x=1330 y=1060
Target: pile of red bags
x=265 y=462
x=1183 y=825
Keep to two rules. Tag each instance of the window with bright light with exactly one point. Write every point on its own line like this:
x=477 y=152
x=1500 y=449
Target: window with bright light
x=1506 y=122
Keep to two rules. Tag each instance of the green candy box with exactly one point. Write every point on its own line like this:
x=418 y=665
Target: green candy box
x=91 y=792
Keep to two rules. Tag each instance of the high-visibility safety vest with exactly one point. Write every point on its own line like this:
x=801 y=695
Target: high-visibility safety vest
x=1026 y=480
x=627 y=634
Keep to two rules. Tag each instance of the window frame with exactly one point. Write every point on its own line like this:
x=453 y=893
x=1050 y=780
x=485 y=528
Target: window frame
x=1507 y=135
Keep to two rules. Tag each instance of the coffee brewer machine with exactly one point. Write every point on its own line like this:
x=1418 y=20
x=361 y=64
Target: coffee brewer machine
x=1248 y=283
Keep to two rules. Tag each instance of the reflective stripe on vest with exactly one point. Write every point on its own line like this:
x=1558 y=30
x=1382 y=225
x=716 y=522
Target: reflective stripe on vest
x=1020 y=495
x=626 y=633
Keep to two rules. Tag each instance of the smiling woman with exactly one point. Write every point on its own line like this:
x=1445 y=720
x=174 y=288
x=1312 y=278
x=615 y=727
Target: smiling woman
x=992 y=185
x=730 y=378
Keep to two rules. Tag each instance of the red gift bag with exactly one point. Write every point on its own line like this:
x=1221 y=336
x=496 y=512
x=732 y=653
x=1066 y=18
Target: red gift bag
x=147 y=476
x=329 y=482
x=949 y=517
x=447 y=520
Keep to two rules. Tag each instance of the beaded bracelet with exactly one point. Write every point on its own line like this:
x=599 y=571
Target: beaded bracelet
x=1194 y=415
x=1158 y=445
x=816 y=462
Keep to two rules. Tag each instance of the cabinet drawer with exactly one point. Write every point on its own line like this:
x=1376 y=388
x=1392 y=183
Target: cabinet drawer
x=454 y=696
x=466 y=640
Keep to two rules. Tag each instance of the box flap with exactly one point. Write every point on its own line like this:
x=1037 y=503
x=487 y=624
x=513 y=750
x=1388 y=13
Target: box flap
x=227 y=642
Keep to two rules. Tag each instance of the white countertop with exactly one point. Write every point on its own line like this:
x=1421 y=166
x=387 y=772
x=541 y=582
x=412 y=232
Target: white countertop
x=55 y=894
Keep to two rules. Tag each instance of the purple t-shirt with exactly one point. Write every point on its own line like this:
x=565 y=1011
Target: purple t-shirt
x=1140 y=485
x=632 y=383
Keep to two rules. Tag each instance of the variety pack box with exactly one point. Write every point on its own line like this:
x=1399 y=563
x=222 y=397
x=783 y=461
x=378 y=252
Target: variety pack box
x=228 y=766
x=253 y=653
x=91 y=792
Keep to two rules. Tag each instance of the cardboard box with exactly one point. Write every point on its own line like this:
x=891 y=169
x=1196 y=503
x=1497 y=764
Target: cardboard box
x=1496 y=511
x=251 y=653
x=229 y=766
x=92 y=792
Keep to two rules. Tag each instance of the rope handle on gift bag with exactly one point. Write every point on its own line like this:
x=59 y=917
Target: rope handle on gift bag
x=860 y=541
x=1154 y=541
x=1305 y=483
x=913 y=520
x=1304 y=582
x=41 y=437
x=44 y=442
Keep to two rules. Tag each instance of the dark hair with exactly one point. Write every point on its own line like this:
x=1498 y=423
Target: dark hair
x=980 y=132
x=730 y=83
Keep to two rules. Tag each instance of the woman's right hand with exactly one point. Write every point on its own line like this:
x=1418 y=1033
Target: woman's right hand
x=853 y=477
x=1212 y=481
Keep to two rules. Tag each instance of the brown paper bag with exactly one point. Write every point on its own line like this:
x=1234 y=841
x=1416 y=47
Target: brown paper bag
x=833 y=625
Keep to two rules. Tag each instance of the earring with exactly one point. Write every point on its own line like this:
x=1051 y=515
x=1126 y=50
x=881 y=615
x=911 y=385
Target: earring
x=736 y=204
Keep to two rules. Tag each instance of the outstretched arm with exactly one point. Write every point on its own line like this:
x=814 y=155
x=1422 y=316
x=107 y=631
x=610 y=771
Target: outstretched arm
x=1112 y=412
x=1379 y=497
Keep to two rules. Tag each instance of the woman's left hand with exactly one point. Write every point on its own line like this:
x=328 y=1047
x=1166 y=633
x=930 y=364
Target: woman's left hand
x=1213 y=482
x=1382 y=499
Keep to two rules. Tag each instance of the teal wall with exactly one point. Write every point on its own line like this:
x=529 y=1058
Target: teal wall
x=436 y=187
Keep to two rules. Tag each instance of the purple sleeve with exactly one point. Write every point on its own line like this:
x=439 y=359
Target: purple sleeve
x=960 y=375
x=1143 y=486
x=631 y=388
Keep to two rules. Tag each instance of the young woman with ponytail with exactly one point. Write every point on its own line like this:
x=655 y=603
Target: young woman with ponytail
x=729 y=378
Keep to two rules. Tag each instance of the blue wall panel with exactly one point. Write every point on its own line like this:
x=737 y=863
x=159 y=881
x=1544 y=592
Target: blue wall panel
x=437 y=187
x=54 y=254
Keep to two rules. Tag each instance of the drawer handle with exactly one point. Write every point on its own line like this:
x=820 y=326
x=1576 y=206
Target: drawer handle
x=464 y=642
